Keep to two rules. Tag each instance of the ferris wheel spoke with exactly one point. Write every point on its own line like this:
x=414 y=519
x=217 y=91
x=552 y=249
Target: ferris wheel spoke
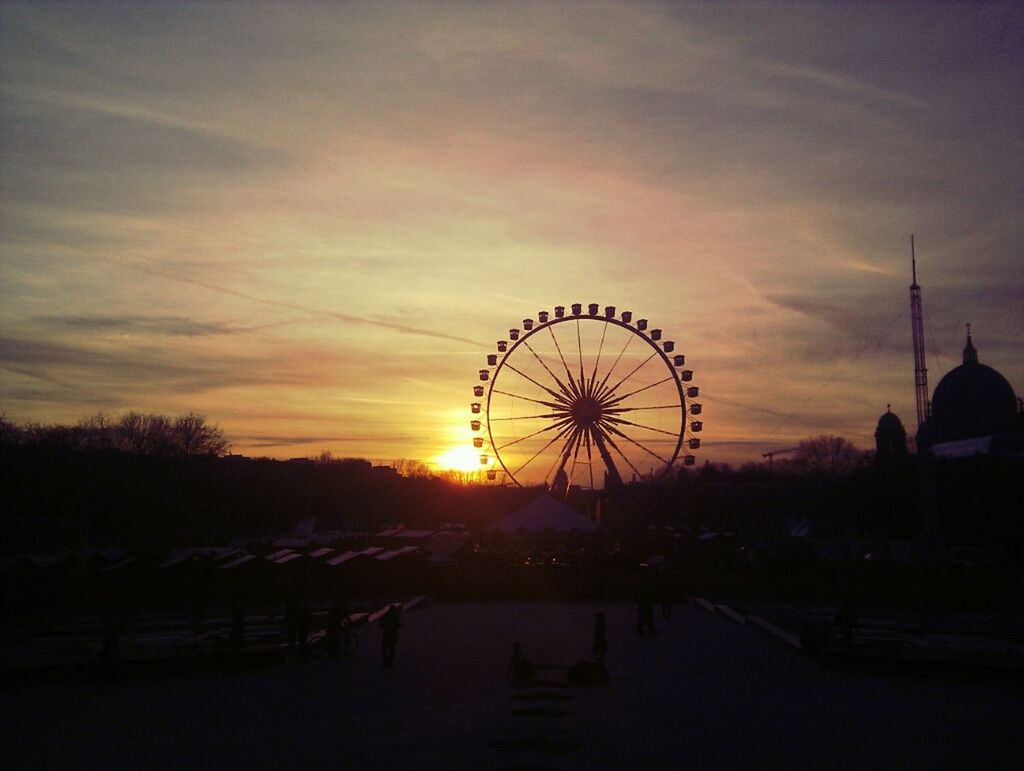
x=572 y=383
x=611 y=391
x=590 y=457
x=611 y=442
x=560 y=397
x=624 y=422
x=606 y=457
x=564 y=455
x=553 y=405
x=615 y=363
x=565 y=389
x=579 y=348
x=618 y=399
x=552 y=427
x=632 y=441
x=593 y=375
x=575 y=455
x=534 y=417
x=557 y=436
x=617 y=410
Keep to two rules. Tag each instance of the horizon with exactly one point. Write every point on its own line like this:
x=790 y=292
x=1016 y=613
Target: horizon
x=310 y=223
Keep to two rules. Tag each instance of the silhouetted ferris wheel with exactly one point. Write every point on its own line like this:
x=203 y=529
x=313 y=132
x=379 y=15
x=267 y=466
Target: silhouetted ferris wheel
x=584 y=398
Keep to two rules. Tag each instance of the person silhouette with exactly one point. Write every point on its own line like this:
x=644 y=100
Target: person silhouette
x=600 y=636
x=520 y=668
x=337 y=618
x=645 y=614
x=389 y=625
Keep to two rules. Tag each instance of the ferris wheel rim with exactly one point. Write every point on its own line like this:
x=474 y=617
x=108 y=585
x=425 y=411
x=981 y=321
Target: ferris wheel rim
x=537 y=327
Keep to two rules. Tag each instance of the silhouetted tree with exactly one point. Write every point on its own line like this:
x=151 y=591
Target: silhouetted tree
x=827 y=455
x=192 y=435
x=99 y=432
x=414 y=469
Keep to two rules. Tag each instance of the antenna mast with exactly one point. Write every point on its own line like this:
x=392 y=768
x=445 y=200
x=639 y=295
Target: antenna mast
x=917 y=324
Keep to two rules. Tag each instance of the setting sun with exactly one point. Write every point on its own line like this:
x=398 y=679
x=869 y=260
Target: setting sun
x=463 y=458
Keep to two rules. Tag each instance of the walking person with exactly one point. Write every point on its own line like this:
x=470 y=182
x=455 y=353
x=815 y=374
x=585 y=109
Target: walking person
x=389 y=625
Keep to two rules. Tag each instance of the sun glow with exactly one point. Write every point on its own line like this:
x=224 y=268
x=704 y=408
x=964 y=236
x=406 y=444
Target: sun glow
x=462 y=458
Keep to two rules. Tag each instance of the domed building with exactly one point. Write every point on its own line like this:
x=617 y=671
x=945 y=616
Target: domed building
x=890 y=438
x=971 y=401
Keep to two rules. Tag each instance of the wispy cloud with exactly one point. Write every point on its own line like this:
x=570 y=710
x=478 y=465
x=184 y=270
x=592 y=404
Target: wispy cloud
x=138 y=324
x=319 y=313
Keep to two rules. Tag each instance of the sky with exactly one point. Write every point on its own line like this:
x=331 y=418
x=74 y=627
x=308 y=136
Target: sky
x=312 y=222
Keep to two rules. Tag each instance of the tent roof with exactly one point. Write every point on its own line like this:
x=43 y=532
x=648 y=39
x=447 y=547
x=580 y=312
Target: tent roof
x=545 y=513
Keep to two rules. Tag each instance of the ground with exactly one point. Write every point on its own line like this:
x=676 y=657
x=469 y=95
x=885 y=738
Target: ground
x=705 y=692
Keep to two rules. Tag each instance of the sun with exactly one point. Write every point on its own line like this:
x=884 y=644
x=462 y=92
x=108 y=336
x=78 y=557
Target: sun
x=461 y=458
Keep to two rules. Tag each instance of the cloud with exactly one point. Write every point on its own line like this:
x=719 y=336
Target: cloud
x=323 y=314
x=137 y=324
x=144 y=368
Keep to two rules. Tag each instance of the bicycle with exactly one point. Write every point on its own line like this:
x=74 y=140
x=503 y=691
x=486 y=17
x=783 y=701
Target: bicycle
x=321 y=644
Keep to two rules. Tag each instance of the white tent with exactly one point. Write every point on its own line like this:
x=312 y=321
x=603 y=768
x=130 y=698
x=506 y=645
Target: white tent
x=545 y=513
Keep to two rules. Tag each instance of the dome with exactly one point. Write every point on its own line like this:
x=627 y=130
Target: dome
x=889 y=422
x=890 y=437
x=972 y=400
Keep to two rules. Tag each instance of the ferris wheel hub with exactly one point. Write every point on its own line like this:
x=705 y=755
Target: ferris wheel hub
x=585 y=411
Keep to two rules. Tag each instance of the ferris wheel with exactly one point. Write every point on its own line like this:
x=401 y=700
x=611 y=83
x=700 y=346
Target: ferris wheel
x=584 y=398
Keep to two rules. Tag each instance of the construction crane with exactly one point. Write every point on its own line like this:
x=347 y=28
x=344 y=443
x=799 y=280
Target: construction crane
x=773 y=453
x=924 y=407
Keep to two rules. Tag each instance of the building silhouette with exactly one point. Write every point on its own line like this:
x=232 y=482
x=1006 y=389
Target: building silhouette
x=971 y=401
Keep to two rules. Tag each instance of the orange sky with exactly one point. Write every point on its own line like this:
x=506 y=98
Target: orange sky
x=312 y=222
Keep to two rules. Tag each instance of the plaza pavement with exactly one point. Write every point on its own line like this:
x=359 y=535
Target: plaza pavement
x=705 y=692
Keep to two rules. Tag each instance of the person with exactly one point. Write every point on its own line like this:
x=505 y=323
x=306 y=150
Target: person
x=337 y=619
x=520 y=668
x=600 y=636
x=389 y=624
x=645 y=614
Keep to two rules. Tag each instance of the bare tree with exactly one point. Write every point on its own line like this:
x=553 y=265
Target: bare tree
x=192 y=435
x=10 y=433
x=99 y=431
x=415 y=469
x=827 y=455
x=131 y=432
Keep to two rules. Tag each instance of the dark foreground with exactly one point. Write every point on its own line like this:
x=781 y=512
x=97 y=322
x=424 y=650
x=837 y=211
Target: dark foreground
x=704 y=693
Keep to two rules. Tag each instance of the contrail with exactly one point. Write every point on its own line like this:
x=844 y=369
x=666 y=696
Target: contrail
x=312 y=311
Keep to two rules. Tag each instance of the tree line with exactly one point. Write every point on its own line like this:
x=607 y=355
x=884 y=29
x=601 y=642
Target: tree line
x=137 y=433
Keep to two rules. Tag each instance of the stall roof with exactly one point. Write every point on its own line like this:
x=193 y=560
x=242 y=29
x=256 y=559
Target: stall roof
x=443 y=546
x=414 y=534
x=384 y=556
x=238 y=561
x=212 y=552
x=278 y=554
x=352 y=554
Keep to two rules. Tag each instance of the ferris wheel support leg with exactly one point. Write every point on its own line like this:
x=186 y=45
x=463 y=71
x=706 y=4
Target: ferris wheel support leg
x=614 y=479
